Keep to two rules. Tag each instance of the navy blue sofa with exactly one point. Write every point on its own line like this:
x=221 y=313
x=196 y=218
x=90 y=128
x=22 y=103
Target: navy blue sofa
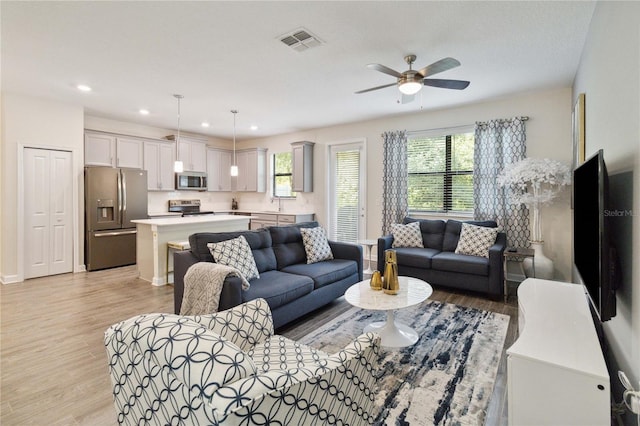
x=290 y=286
x=438 y=264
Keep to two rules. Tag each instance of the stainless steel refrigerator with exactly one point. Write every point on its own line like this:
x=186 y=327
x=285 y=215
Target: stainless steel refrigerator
x=113 y=198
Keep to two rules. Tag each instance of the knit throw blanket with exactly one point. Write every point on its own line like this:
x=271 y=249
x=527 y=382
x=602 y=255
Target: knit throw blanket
x=203 y=285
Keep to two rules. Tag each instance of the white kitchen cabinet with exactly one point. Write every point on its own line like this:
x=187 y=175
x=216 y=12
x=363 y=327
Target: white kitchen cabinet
x=193 y=154
x=302 y=157
x=252 y=170
x=99 y=149
x=556 y=373
x=158 y=162
x=219 y=169
x=129 y=152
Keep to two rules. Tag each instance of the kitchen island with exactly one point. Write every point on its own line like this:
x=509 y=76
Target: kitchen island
x=153 y=235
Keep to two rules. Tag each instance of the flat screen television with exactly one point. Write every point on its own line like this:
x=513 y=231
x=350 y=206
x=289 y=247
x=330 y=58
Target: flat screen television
x=594 y=256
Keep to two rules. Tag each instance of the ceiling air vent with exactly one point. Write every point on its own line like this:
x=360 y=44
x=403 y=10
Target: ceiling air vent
x=300 y=40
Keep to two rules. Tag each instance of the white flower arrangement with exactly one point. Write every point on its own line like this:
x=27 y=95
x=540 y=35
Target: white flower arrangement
x=536 y=181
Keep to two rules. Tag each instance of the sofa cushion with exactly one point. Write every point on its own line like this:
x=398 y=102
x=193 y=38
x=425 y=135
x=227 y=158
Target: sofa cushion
x=476 y=240
x=408 y=235
x=462 y=263
x=415 y=257
x=316 y=245
x=237 y=254
x=452 y=232
x=432 y=231
x=326 y=272
x=287 y=243
x=259 y=241
x=278 y=288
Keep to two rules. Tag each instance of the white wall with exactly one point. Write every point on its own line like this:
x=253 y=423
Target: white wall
x=548 y=135
x=609 y=75
x=32 y=122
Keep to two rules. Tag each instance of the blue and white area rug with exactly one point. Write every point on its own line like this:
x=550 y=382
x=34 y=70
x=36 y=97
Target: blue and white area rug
x=446 y=378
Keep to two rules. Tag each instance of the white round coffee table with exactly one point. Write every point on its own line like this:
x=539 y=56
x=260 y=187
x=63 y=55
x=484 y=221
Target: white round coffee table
x=392 y=333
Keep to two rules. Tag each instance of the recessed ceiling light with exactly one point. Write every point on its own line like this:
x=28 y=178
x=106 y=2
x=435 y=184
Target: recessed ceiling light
x=204 y=124
x=254 y=127
x=83 y=88
x=144 y=111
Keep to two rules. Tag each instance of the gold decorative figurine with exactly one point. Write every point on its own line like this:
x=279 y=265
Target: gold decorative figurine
x=376 y=281
x=390 y=284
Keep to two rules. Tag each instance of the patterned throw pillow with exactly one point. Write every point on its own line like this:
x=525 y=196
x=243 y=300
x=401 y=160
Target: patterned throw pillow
x=237 y=254
x=315 y=244
x=476 y=240
x=408 y=235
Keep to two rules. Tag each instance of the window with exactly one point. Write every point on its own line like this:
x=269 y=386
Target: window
x=346 y=189
x=440 y=173
x=283 y=175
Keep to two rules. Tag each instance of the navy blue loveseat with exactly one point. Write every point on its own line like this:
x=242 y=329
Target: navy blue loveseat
x=438 y=264
x=290 y=286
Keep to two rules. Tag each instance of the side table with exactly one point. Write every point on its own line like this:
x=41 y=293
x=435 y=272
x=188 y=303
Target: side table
x=369 y=244
x=517 y=254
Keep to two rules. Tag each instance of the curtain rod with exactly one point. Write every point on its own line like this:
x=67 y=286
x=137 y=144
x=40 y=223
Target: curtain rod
x=482 y=123
x=411 y=132
x=477 y=123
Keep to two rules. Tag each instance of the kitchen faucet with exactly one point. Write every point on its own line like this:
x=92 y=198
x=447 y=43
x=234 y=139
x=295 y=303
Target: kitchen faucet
x=279 y=202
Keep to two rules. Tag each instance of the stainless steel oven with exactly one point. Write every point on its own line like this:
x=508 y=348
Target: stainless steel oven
x=192 y=181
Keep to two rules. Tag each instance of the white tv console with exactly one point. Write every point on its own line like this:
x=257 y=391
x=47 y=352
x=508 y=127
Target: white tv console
x=556 y=373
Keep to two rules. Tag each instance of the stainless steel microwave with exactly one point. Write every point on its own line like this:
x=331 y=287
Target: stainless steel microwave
x=191 y=181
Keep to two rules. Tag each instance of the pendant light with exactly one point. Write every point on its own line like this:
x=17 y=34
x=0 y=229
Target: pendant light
x=178 y=167
x=234 y=166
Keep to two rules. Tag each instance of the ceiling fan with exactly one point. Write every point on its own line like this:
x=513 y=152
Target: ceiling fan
x=411 y=81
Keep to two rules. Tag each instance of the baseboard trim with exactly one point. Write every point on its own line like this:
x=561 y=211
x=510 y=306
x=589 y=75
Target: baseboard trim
x=9 y=279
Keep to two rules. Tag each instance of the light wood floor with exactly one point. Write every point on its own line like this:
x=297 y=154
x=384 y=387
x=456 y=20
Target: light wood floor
x=53 y=364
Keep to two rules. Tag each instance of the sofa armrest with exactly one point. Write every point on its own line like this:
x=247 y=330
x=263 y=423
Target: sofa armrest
x=384 y=243
x=496 y=265
x=182 y=260
x=230 y=296
x=348 y=251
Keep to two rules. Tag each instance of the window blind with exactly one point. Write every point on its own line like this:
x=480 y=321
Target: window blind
x=440 y=172
x=347 y=196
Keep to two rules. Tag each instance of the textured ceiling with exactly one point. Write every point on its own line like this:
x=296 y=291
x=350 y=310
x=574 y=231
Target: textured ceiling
x=227 y=55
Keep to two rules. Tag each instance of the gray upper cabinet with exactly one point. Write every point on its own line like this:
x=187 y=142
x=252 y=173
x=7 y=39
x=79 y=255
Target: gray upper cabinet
x=105 y=149
x=252 y=170
x=219 y=169
x=192 y=153
x=158 y=162
x=302 y=157
x=129 y=153
x=99 y=149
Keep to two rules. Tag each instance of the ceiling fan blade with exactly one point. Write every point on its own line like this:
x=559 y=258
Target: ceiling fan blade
x=375 y=88
x=439 y=66
x=446 y=84
x=385 y=70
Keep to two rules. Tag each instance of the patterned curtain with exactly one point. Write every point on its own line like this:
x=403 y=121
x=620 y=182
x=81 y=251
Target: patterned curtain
x=497 y=144
x=395 y=204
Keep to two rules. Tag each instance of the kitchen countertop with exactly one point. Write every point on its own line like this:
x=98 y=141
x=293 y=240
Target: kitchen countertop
x=169 y=221
x=249 y=212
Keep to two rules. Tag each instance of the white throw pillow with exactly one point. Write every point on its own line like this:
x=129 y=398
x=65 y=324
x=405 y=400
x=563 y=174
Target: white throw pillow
x=315 y=244
x=476 y=240
x=408 y=235
x=237 y=254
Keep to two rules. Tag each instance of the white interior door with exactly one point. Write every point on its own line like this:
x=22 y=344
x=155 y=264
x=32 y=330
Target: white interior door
x=48 y=206
x=346 y=192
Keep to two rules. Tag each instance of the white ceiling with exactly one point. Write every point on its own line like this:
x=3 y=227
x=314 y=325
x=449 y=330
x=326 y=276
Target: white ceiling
x=227 y=55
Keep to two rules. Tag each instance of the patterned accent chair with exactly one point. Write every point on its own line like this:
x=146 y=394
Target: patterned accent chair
x=230 y=369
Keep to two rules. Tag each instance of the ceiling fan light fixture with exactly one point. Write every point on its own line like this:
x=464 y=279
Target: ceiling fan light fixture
x=410 y=83
x=410 y=87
